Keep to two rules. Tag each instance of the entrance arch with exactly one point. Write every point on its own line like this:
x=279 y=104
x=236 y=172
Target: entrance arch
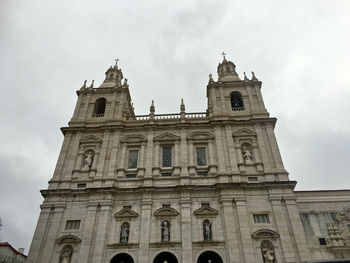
x=209 y=257
x=122 y=258
x=165 y=257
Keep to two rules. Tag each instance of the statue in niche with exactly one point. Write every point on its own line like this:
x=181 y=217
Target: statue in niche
x=247 y=156
x=88 y=161
x=165 y=231
x=268 y=252
x=124 y=233
x=207 y=229
x=66 y=254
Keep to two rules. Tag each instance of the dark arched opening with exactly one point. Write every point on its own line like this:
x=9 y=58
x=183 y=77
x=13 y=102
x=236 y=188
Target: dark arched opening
x=165 y=257
x=209 y=257
x=236 y=101
x=122 y=258
x=100 y=107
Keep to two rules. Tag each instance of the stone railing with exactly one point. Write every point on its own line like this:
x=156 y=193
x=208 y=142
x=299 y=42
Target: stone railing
x=100 y=115
x=171 y=116
x=238 y=108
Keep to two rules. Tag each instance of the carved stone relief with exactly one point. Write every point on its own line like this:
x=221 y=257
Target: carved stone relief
x=66 y=254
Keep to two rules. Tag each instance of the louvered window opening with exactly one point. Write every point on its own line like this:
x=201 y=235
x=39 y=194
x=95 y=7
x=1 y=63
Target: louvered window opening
x=261 y=218
x=201 y=156
x=133 y=158
x=72 y=224
x=167 y=156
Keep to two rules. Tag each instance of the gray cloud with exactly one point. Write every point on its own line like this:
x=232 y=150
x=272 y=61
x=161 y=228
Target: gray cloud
x=299 y=49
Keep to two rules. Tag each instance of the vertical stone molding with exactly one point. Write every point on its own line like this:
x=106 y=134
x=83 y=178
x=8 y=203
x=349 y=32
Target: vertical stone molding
x=186 y=230
x=146 y=209
x=113 y=155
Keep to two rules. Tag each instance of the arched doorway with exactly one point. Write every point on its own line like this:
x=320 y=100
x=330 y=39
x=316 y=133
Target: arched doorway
x=122 y=258
x=209 y=257
x=165 y=257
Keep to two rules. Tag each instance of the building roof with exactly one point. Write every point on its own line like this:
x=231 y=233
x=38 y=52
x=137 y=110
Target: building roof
x=4 y=244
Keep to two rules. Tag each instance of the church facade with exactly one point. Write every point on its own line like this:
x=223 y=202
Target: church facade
x=185 y=187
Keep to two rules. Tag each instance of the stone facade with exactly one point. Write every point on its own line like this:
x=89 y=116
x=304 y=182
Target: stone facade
x=184 y=187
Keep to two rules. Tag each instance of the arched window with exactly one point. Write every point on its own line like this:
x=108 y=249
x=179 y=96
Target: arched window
x=124 y=233
x=207 y=233
x=100 y=107
x=236 y=101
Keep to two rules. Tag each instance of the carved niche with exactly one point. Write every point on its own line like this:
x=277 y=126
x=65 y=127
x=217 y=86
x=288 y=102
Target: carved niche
x=339 y=234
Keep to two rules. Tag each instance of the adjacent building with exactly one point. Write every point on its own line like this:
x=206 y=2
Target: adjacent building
x=182 y=187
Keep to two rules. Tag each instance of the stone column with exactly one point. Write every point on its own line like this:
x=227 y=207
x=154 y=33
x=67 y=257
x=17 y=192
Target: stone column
x=77 y=107
x=56 y=223
x=86 y=247
x=191 y=164
x=83 y=114
x=101 y=160
x=177 y=169
x=263 y=150
x=220 y=150
x=229 y=229
x=156 y=166
x=146 y=206
x=211 y=156
x=122 y=163
x=72 y=156
x=231 y=150
x=63 y=155
x=260 y=100
x=114 y=151
x=282 y=227
x=298 y=229
x=243 y=218
x=253 y=106
x=186 y=230
x=183 y=151
x=274 y=148
x=239 y=152
x=101 y=232
x=40 y=234
x=141 y=170
x=149 y=155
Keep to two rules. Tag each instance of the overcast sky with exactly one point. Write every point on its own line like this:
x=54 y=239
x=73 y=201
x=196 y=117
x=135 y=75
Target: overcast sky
x=299 y=49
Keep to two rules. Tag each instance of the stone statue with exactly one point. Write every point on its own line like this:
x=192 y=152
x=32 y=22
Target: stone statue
x=124 y=233
x=211 y=78
x=165 y=231
x=268 y=255
x=247 y=156
x=207 y=230
x=66 y=254
x=88 y=161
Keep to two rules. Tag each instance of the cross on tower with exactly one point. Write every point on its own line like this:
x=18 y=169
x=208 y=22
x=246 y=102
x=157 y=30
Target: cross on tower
x=223 y=54
x=116 y=60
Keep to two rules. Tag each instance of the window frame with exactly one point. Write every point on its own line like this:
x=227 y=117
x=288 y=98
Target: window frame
x=72 y=221
x=255 y=215
x=162 y=156
x=206 y=155
x=128 y=159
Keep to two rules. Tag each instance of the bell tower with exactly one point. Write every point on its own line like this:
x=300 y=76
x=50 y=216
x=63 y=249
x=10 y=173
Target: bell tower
x=231 y=97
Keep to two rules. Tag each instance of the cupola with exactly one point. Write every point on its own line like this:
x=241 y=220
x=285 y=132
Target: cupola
x=227 y=71
x=113 y=78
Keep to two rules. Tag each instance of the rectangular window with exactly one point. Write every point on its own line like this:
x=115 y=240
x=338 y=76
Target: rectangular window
x=133 y=159
x=167 y=156
x=81 y=185
x=261 y=219
x=201 y=155
x=72 y=224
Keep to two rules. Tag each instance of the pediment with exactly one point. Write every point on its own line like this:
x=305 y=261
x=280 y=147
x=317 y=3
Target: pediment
x=134 y=139
x=68 y=239
x=126 y=212
x=167 y=137
x=90 y=139
x=244 y=133
x=206 y=211
x=166 y=211
x=265 y=233
x=200 y=136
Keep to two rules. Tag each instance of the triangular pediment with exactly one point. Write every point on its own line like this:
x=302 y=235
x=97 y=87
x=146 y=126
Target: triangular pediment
x=244 y=133
x=125 y=213
x=91 y=139
x=200 y=136
x=167 y=137
x=205 y=211
x=265 y=233
x=134 y=139
x=68 y=239
x=166 y=211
